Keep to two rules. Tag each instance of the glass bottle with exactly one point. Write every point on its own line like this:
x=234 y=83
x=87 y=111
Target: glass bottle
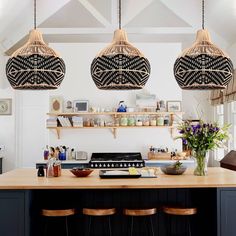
x=46 y=153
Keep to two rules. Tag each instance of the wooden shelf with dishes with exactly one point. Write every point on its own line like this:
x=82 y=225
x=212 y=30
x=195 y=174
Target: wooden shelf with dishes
x=120 y=120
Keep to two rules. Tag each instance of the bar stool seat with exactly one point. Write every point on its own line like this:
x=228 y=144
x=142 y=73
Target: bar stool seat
x=140 y=213
x=58 y=213
x=181 y=211
x=91 y=212
x=99 y=212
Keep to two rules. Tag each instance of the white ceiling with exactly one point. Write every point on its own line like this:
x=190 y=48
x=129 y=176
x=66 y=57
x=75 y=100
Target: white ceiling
x=95 y=20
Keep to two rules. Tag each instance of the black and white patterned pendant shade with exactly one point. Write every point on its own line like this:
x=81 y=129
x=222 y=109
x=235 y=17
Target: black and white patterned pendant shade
x=203 y=66
x=35 y=66
x=120 y=66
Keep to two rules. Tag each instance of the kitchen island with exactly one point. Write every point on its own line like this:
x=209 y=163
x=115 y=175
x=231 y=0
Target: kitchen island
x=23 y=195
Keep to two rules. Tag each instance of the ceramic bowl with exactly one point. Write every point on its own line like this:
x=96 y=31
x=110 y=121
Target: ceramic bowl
x=78 y=172
x=171 y=170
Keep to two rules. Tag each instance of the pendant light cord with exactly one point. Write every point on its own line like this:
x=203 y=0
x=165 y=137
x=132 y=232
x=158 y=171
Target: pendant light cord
x=34 y=14
x=203 y=14
x=119 y=13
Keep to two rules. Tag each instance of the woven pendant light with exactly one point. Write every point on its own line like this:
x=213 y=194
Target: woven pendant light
x=204 y=65
x=120 y=66
x=35 y=66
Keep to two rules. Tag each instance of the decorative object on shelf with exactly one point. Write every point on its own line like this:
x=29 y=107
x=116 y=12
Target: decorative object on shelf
x=35 y=66
x=146 y=100
x=203 y=66
x=68 y=106
x=174 y=106
x=122 y=107
x=120 y=66
x=80 y=105
x=201 y=138
x=6 y=106
x=56 y=104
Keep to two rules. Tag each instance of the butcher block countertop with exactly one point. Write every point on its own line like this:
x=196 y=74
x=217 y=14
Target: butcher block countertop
x=27 y=179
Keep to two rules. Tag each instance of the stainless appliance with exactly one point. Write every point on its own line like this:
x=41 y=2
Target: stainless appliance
x=116 y=160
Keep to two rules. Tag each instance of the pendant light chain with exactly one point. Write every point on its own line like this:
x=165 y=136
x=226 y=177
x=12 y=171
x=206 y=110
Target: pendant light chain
x=203 y=14
x=119 y=9
x=34 y=14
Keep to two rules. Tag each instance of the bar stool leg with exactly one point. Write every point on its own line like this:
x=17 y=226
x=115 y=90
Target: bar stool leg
x=67 y=232
x=45 y=227
x=152 y=230
x=189 y=226
x=109 y=225
x=132 y=224
x=89 y=225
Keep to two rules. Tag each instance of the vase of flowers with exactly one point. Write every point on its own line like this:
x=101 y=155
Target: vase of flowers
x=202 y=137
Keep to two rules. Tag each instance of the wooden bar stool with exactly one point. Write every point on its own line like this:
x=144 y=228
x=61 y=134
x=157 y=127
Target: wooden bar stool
x=181 y=211
x=97 y=213
x=140 y=212
x=58 y=213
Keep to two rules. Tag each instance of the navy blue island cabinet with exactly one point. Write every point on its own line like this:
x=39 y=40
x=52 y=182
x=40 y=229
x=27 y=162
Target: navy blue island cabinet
x=23 y=195
x=14 y=213
x=226 y=211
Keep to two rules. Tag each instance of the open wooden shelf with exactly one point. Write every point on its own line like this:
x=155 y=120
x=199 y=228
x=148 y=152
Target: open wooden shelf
x=114 y=115
x=112 y=128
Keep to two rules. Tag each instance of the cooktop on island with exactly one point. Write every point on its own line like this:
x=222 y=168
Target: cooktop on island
x=116 y=160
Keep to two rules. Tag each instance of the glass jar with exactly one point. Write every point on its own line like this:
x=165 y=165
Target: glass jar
x=166 y=120
x=87 y=123
x=131 y=121
x=146 y=121
x=139 y=121
x=153 y=121
x=123 y=121
x=117 y=121
x=160 y=120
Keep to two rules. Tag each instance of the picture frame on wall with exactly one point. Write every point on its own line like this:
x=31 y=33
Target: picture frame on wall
x=174 y=106
x=80 y=105
x=5 y=106
x=56 y=104
x=145 y=100
x=68 y=106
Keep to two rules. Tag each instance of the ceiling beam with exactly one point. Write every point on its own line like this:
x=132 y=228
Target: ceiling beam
x=193 y=16
x=163 y=30
x=132 y=8
x=95 y=13
x=45 y=9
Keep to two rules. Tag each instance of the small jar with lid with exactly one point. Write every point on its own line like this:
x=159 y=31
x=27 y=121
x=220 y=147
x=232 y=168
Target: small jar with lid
x=146 y=121
x=160 y=120
x=117 y=121
x=166 y=120
x=139 y=122
x=123 y=121
x=153 y=121
x=131 y=121
x=87 y=122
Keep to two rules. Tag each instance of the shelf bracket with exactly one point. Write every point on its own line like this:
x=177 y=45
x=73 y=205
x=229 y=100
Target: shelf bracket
x=58 y=130
x=114 y=132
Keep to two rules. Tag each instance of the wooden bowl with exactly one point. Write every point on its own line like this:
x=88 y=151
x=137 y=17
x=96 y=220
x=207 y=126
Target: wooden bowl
x=171 y=170
x=78 y=172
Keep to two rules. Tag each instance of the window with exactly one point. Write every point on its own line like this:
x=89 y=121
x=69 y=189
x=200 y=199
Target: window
x=219 y=117
x=232 y=120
